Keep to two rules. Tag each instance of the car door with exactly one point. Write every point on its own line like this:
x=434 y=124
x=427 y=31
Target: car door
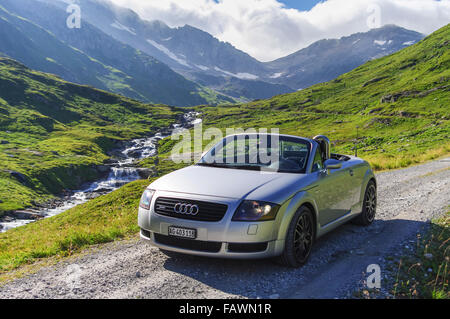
x=332 y=192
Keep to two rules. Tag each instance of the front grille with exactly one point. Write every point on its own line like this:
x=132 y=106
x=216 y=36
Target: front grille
x=208 y=212
x=190 y=244
x=247 y=248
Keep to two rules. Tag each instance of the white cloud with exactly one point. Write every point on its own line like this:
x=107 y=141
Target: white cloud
x=267 y=30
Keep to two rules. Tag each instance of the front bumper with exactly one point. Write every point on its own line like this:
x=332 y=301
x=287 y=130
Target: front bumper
x=271 y=249
x=223 y=239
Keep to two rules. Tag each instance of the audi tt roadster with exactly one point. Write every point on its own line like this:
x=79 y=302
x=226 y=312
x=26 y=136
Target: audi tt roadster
x=258 y=196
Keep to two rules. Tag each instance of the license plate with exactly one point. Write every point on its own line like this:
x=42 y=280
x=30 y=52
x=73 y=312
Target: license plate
x=182 y=232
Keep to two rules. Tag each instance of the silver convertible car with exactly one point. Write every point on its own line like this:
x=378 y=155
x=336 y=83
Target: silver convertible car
x=258 y=196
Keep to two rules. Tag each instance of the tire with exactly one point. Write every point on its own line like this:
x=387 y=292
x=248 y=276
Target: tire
x=368 y=213
x=299 y=239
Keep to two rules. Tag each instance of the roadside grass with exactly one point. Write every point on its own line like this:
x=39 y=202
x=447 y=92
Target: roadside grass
x=101 y=220
x=426 y=274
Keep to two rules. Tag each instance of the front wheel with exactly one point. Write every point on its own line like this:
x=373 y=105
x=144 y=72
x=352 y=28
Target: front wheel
x=369 y=210
x=299 y=239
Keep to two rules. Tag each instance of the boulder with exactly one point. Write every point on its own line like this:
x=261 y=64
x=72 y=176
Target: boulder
x=110 y=161
x=103 y=169
x=93 y=195
x=25 y=214
x=102 y=190
x=145 y=173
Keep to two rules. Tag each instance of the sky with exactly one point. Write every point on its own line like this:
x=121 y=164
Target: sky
x=270 y=29
x=302 y=5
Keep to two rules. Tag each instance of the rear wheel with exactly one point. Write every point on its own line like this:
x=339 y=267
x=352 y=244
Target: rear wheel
x=299 y=239
x=369 y=210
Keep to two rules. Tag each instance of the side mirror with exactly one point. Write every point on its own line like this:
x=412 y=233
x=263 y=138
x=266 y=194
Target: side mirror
x=332 y=164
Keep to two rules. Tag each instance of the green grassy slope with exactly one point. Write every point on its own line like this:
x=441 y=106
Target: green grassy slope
x=401 y=104
x=53 y=132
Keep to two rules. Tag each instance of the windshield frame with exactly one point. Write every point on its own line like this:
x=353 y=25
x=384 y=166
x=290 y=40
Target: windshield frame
x=284 y=138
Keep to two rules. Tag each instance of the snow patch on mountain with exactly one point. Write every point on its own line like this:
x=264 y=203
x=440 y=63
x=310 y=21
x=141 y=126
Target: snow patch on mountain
x=242 y=76
x=169 y=53
x=202 y=67
x=120 y=26
x=409 y=43
x=276 y=75
x=246 y=76
x=380 y=42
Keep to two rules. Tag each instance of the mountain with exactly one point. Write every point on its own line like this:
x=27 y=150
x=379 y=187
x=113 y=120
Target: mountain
x=137 y=58
x=53 y=132
x=204 y=59
x=327 y=59
x=181 y=48
x=195 y=54
x=35 y=33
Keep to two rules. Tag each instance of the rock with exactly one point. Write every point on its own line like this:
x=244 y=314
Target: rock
x=25 y=214
x=7 y=219
x=428 y=256
x=1 y=226
x=145 y=173
x=110 y=161
x=374 y=81
x=18 y=176
x=103 y=168
x=102 y=190
x=138 y=274
x=134 y=153
x=92 y=195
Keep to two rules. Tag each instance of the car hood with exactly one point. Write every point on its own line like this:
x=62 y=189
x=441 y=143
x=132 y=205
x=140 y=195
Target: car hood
x=230 y=183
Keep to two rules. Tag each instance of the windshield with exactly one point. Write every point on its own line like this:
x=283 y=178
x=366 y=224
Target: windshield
x=259 y=152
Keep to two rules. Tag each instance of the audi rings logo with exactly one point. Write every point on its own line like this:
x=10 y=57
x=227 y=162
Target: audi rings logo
x=186 y=209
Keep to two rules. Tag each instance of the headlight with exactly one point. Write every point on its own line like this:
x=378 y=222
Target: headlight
x=251 y=210
x=146 y=199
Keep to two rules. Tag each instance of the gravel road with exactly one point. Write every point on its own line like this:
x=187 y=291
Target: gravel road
x=408 y=198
